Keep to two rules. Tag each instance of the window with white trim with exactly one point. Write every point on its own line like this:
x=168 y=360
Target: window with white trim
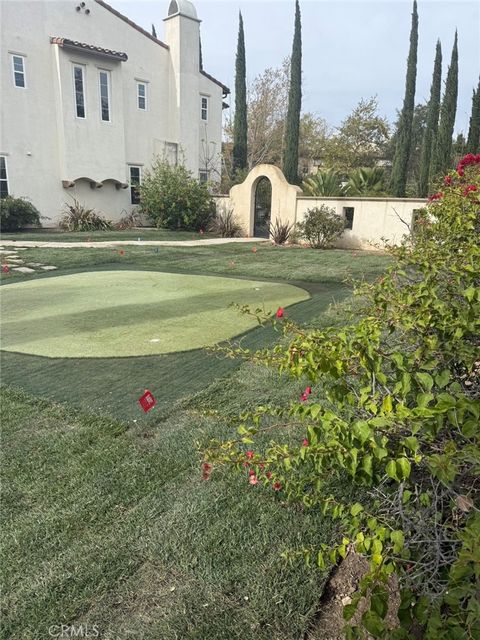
x=204 y=107
x=135 y=181
x=104 y=78
x=3 y=177
x=142 y=96
x=79 y=90
x=18 y=64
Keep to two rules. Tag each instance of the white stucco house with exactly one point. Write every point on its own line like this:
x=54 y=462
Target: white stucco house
x=89 y=99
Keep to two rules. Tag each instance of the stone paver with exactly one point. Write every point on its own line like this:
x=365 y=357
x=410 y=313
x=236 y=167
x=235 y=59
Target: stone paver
x=23 y=269
x=48 y=267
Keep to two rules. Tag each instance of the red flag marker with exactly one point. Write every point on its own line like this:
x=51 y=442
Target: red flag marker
x=147 y=401
x=5 y=268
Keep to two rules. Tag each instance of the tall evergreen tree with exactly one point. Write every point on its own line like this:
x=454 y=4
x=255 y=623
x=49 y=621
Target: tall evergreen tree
x=432 y=124
x=473 y=140
x=404 y=133
x=292 y=123
x=240 y=119
x=154 y=31
x=442 y=157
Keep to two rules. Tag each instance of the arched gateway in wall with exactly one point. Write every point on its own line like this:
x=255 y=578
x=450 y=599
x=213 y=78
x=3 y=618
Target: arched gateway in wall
x=263 y=197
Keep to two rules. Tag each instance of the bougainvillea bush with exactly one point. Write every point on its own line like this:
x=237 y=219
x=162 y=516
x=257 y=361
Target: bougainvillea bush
x=392 y=406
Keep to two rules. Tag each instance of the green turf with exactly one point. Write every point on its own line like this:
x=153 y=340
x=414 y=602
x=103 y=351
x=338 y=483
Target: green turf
x=128 y=313
x=55 y=235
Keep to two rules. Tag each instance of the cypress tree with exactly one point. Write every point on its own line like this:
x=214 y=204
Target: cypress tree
x=404 y=133
x=154 y=31
x=473 y=140
x=240 y=119
x=432 y=124
x=442 y=158
x=292 y=124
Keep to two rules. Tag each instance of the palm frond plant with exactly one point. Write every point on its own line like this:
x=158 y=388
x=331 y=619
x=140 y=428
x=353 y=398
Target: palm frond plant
x=326 y=182
x=367 y=181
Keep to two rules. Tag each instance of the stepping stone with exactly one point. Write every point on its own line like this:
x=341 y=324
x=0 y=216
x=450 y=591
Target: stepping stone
x=48 y=267
x=23 y=269
x=34 y=264
x=13 y=260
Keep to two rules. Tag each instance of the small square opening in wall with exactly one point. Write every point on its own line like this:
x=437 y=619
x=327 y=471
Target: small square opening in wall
x=348 y=213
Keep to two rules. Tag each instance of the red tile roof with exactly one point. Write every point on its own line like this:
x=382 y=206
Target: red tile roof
x=83 y=46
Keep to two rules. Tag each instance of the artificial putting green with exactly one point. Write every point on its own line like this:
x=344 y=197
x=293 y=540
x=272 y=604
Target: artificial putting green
x=131 y=313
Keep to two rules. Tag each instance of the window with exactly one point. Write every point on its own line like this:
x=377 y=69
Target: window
x=203 y=175
x=135 y=180
x=142 y=96
x=204 y=109
x=348 y=215
x=79 y=88
x=19 y=71
x=105 y=95
x=3 y=177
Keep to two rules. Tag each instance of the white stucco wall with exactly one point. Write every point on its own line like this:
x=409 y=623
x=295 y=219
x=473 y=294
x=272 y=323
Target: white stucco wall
x=45 y=143
x=375 y=220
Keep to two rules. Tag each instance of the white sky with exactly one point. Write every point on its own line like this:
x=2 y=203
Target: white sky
x=351 y=48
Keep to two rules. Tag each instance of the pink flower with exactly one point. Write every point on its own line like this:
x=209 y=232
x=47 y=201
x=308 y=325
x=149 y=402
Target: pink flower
x=304 y=397
x=279 y=313
x=277 y=486
x=269 y=474
x=253 y=480
x=249 y=454
x=448 y=180
x=305 y=442
x=251 y=472
x=308 y=390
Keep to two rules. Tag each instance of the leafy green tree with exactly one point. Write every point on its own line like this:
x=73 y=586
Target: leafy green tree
x=360 y=141
x=292 y=124
x=432 y=124
x=326 y=182
x=240 y=122
x=442 y=157
x=404 y=133
x=368 y=181
x=473 y=140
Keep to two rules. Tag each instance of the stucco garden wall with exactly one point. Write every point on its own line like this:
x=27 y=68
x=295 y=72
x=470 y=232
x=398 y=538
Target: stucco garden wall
x=375 y=220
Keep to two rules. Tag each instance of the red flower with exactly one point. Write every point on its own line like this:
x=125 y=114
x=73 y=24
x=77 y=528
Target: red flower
x=249 y=454
x=251 y=472
x=277 y=486
x=305 y=442
x=206 y=470
x=436 y=196
x=303 y=397
x=279 y=313
x=5 y=268
x=253 y=480
x=308 y=390
x=469 y=188
x=269 y=474
x=448 y=180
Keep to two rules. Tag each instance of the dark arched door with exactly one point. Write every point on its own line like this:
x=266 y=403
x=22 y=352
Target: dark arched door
x=263 y=208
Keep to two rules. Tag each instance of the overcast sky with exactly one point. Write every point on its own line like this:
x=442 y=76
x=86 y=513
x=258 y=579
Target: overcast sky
x=351 y=48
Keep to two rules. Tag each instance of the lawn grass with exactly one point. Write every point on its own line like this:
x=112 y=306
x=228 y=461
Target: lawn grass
x=56 y=235
x=106 y=519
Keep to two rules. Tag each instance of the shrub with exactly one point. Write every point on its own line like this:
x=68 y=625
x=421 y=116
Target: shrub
x=392 y=408
x=173 y=199
x=280 y=231
x=225 y=224
x=128 y=221
x=326 y=182
x=17 y=213
x=76 y=217
x=321 y=226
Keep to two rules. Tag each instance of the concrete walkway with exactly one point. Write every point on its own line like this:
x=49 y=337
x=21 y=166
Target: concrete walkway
x=135 y=243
